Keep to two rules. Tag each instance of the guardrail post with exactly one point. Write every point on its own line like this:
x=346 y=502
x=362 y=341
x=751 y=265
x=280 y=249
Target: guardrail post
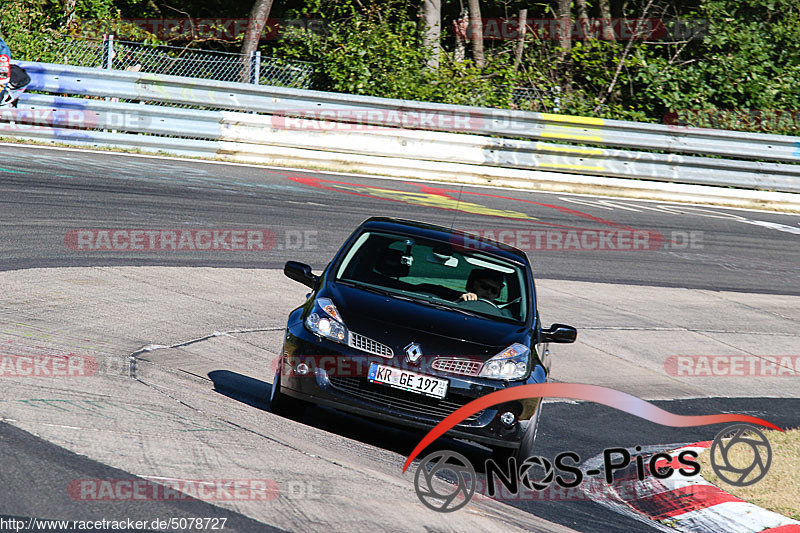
x=557 y=99
x=255 y=67
x=108 y=51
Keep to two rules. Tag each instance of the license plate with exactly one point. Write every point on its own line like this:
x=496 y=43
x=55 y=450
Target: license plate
x=408 y=381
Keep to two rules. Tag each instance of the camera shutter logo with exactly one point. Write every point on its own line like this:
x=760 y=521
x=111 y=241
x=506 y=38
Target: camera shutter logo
x=441 y=462
x=741 y=435
x=526 y=476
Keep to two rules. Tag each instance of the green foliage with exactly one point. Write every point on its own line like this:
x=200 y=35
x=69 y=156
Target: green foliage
x=17 y=17
x=743 y=72
x=376 y=51
x=594 y=65
x=748 y=64
x=372 y=51
x=90 y=19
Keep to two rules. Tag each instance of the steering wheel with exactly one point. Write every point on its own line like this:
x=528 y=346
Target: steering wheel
x=515 y=300
x=488 y=302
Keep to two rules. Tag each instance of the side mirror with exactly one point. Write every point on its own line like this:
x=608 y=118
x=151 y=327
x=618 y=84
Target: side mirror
x=300 y=272
x=561 y=333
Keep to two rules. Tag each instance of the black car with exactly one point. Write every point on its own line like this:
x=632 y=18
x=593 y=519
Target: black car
x=411 y=321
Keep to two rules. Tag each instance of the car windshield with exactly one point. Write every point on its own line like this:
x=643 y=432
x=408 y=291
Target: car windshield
x=435 y=273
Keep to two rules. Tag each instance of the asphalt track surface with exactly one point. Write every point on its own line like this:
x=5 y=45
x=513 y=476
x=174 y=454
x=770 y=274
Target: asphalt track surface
x=45 y=194
x=34 y=489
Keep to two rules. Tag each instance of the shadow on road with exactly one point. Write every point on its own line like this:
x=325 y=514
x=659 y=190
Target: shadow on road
x=401 y=440
x=245 y=389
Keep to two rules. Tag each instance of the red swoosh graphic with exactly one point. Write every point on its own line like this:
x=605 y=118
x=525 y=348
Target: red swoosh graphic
x=577 y=391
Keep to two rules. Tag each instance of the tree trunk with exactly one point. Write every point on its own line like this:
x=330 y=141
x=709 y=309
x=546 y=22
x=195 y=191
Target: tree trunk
x=255 y=25
x=565 y=42
x=564 y=27
x=460 y=26
x=476 y=35
x=605 y=14
x=523 y=23
x=583 y=20
x=432 y=20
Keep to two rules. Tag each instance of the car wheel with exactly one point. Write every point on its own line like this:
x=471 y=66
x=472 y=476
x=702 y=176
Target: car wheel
x=527 y=446
x=281 y=404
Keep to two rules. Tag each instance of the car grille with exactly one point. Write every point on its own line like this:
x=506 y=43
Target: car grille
x=402 y=400
x=465 y=367
x=365 y=344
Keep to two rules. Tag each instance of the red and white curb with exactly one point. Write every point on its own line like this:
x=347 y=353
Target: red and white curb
x=692 y=504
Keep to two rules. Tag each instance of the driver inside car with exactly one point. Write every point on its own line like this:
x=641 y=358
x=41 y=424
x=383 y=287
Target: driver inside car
x=485 y=284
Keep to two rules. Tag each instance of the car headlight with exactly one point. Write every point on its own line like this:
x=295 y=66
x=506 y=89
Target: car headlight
x=326 y=321
x=511 y=363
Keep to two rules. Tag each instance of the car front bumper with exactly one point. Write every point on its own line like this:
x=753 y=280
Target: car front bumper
x=342 y=384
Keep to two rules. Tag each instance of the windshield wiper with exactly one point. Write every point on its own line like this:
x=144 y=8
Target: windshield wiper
x=372 y=288
x=457 y=309
x=438 y=305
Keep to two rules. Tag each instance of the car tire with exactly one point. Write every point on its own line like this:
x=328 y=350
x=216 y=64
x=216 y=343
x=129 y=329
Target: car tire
x=528 y=443
x=281 y=404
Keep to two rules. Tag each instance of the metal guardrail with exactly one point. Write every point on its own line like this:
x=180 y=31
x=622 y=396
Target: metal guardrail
x=246 y=119
x=496 y=122
x=271 y=130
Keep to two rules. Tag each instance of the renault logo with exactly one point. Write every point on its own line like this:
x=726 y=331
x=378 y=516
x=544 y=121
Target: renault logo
x=413 y=352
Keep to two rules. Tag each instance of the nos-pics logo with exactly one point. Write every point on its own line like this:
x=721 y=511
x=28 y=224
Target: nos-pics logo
x=457 y=479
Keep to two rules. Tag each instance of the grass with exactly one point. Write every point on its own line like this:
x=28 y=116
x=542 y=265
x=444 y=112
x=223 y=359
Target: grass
x=779 y=490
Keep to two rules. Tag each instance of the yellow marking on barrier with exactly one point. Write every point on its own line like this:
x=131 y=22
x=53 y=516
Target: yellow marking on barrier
x=572 y=136
x=591 y=121
x=569 y=149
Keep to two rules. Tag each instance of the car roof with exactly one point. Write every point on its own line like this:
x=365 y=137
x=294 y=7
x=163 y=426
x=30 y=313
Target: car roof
x=441 y=233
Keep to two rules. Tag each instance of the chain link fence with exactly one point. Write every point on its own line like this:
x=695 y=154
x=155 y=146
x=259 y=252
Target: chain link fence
x=176 y=61
x=227 y=66
x=533 y=99
x=109 y=53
